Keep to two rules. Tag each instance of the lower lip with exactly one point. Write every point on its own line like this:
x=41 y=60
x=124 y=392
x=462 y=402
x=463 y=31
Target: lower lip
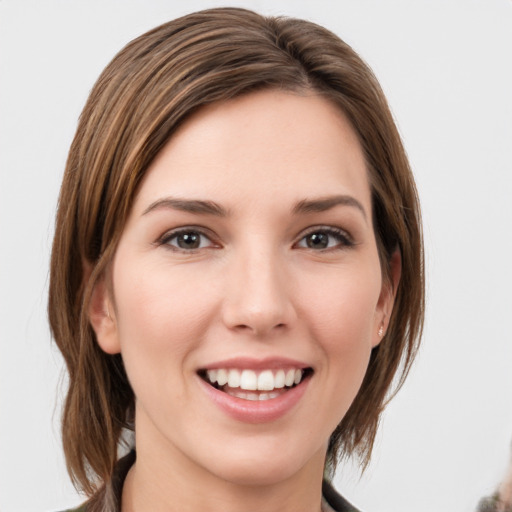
x=260 y=411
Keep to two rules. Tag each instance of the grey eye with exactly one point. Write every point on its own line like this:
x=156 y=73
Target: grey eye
x=317 y=240
x=327 y=238
x=188 y=240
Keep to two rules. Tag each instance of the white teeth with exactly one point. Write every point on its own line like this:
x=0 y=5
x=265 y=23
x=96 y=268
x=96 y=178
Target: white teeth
x=233 y=378
x=266 y=381
x=290 y=377
x=212 y=375
x=222 y=377
x=250 y=380
x=254 y=396
x=279 y=379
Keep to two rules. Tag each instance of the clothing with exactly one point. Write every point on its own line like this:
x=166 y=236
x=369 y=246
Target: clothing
x=490 y=504
x=331 y=500
x=337 y=502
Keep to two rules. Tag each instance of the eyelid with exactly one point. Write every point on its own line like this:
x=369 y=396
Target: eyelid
x=347 y=239
x=171 y=233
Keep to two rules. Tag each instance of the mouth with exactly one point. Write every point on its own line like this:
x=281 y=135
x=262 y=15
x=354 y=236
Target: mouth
x=255 y=385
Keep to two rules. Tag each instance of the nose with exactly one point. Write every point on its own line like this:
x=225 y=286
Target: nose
x=258 y=299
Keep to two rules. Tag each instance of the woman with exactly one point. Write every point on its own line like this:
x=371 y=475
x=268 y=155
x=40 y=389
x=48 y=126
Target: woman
x=237 y=269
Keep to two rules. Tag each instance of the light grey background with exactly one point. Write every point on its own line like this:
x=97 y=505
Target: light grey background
x=446 y=66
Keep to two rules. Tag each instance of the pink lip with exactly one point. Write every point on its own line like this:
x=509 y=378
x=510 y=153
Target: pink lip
x=271 y=363
x=256 y=411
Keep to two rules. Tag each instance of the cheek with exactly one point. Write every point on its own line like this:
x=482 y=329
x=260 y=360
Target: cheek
x=341 y=318
x=162 y=315
x=346 y=304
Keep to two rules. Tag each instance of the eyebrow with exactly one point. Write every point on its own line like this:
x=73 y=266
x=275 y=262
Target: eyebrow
x=203 y=207
x=188 y=205
x=326 y=203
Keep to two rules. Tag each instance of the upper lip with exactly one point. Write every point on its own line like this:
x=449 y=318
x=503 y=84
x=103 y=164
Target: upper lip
x=250 y=363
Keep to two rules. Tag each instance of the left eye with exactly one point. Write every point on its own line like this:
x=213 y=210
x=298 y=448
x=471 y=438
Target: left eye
x=325 y=239
x=188 y=240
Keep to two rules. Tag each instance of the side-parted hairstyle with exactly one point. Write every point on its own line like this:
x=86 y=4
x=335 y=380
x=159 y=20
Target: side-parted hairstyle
x=141 y=98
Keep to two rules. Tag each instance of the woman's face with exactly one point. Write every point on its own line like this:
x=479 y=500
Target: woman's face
x=246 y=289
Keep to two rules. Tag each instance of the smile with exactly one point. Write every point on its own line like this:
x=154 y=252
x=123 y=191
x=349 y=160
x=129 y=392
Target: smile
x=254 y=385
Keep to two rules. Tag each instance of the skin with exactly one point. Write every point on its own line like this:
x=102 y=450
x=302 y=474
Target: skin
x=254 y=288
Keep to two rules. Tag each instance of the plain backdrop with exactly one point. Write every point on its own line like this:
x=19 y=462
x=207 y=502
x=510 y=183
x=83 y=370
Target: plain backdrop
x=446 y=67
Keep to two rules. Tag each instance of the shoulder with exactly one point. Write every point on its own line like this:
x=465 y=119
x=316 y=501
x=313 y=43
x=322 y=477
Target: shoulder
x=335 y=502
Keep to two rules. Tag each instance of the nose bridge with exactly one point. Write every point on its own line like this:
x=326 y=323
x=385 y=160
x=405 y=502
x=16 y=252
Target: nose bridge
x=257 y=298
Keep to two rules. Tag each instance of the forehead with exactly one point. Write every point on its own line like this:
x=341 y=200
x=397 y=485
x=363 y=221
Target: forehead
x=270 y=144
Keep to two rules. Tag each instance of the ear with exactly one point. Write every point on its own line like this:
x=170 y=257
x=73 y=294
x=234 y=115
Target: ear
x=387 y=298
x=102 y=318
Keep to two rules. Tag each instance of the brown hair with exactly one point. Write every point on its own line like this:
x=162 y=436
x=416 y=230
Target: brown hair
x=138 y=102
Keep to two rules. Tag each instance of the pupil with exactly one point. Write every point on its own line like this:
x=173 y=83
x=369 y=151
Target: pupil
x=189 y=241
x=318 y=241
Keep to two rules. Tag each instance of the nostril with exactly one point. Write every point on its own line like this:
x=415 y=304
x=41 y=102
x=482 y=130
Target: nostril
x=259 y=329
x=242 y=327
x=258 y=316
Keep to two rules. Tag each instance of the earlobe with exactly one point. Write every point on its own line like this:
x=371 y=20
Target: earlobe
x=387 y=297
x=102 y=318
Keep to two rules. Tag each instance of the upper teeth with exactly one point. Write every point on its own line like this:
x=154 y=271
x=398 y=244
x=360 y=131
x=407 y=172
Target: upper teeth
x=266 y=380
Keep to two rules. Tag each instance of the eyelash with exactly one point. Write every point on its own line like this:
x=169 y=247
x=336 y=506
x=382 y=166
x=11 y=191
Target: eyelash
x=343 y=239
x=174 y=234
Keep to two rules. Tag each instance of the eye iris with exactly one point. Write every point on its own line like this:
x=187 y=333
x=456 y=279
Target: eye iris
x=188 y=240
x=318 y=241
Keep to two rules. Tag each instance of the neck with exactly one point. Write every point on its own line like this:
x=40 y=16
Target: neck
x=141 y=494
x=166 y=480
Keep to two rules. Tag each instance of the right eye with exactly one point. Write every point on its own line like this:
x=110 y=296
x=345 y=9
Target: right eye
x=187 y=240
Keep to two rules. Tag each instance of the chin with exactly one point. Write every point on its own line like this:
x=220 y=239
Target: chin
x=257 y=474
x=266 y=467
